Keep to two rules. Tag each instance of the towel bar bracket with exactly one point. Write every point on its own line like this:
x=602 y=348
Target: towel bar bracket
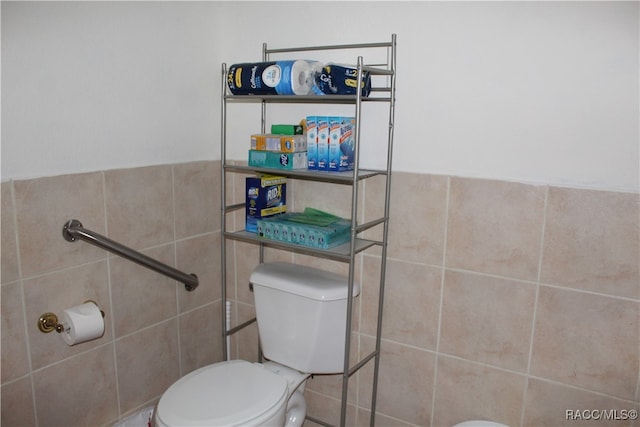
x=66 y=233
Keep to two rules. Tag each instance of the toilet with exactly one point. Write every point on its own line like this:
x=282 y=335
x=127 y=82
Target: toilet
x=301 y=317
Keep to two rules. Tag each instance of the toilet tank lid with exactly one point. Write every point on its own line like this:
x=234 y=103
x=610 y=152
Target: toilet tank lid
x=301 y=280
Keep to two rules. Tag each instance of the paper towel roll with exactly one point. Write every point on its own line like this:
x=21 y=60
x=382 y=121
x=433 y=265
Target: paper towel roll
x=82 y=323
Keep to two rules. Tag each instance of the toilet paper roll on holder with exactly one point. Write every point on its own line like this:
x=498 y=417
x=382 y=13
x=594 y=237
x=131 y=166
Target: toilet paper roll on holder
x=48 y=322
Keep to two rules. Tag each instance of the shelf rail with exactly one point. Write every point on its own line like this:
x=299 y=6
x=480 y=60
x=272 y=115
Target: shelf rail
x=73 y=230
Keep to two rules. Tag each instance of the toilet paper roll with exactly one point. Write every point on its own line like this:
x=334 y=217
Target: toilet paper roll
x=334 y=79
x=82 y=323
x=271 y=78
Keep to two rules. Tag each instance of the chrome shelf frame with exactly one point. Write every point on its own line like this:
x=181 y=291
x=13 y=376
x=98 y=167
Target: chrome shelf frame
x=347 y=252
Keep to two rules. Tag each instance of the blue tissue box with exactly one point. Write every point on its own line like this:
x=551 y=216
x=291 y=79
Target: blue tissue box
x=265 y=196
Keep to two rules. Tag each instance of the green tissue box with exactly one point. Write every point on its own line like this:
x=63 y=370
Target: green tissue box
x=277 y=160
x=288 y=228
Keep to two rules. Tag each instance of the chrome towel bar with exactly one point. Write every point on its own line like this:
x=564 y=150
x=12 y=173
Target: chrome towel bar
x=73 y=230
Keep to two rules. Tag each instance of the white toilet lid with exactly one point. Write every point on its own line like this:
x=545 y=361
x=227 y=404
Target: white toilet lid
x=226 y=393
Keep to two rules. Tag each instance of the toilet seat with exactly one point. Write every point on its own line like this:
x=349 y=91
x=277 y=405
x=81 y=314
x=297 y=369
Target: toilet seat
x=223 y=394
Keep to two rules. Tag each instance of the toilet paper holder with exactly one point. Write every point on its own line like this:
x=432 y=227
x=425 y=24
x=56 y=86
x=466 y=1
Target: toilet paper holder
x=48 y=322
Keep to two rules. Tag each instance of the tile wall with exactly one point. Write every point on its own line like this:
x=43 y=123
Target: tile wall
x=504 y=301
x=155 y=331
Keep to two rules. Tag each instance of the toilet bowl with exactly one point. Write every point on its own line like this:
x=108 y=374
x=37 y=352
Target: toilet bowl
x=479 y=423
x=301 y=318
x=234 y=393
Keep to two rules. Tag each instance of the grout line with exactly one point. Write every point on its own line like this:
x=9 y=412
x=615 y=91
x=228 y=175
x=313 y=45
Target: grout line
x=519 y=280
x=638 y=391
x=175 y=263
x=462 y=270
x=23 y=300
x=403 y=344
x=69 y=358
x=441 y=304
x=483 y=364
x=145 y=328
x=493 y=276
x=584 y=291
x=574 y=387
x=110 y=293
x=542 y=233
x=95 y=261
x=535 y=306
x=357 y=409
x=506 y=370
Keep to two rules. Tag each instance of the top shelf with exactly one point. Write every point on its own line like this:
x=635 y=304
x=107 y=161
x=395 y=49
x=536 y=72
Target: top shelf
x=306 y=99
x=331 y=47
x=384 y=68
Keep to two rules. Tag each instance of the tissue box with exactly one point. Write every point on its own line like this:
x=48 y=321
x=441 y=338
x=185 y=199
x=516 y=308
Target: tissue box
x=265 y=196
x=280 y=143
x=312 y=142
x=341 y=143
x=322 y=123
x=265 y=142
x=278 y=160
x=287 y=129
x=281 y=228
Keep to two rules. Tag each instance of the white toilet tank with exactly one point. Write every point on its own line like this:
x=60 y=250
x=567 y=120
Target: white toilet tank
x=301 y=314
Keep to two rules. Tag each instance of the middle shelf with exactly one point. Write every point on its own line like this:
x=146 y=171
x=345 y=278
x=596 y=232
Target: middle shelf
x=346 y=177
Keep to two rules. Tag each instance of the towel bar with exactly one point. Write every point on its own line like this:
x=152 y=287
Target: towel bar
x=73 y=230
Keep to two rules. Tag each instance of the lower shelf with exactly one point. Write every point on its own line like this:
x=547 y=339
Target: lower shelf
x=338 y=253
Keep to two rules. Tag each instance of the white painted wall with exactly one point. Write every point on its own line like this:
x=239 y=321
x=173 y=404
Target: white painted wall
x=99 y=85
x=526 y=91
